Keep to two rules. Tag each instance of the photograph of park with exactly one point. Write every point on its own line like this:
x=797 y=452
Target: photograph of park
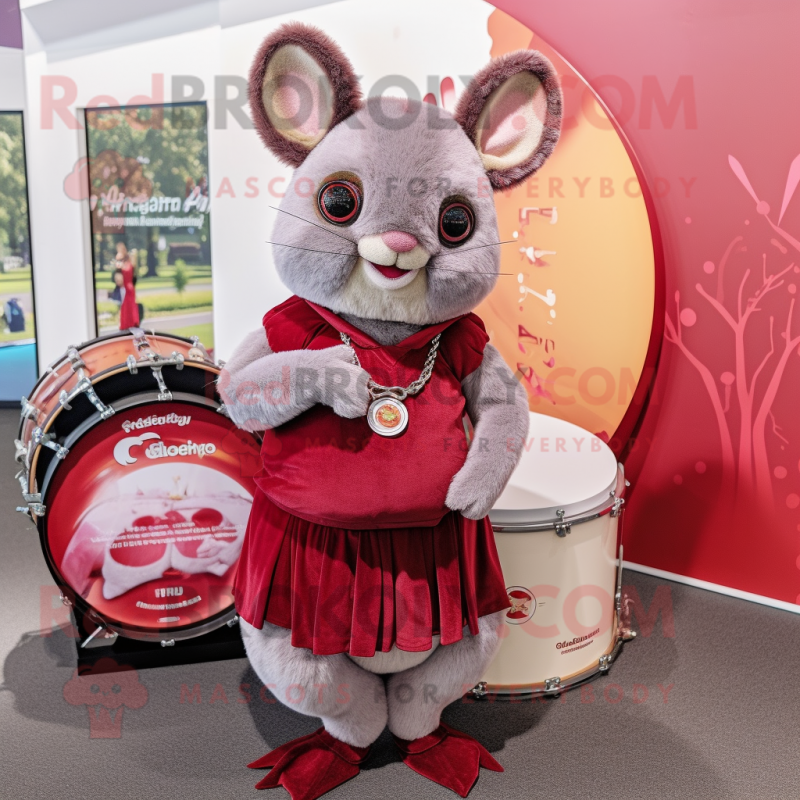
x=149 y=200
x=17 y=327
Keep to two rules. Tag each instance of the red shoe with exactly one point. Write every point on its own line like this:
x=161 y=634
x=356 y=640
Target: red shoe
x=448 y=757
x=310 y=766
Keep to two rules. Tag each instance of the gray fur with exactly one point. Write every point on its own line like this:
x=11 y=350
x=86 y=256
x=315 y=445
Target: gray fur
x=253 y=347
x=276 y=387
x=350 y=701
x=498 y=407
x=394 y=660
x=383 y=331
x=409 y=157
x=406 y=174
x=417 y=696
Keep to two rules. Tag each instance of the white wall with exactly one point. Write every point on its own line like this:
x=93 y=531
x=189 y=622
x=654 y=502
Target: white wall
x=12 y=79
x=117 y=54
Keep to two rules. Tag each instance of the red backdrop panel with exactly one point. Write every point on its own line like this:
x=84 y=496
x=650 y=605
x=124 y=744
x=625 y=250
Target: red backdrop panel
x=706 y=94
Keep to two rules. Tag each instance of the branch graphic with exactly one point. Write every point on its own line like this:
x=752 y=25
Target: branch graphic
x=747 y=470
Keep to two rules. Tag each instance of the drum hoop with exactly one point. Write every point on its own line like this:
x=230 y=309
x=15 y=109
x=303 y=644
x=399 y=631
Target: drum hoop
x=178 y=634
x=600 y=667
x=95 y=379
x=608 y=504
x=129 y=402
x=63 y=360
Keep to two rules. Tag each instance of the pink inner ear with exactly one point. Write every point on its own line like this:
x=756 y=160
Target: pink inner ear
x=288 y=103
x=509 y=121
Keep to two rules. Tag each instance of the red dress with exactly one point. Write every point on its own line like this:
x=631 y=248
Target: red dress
x=349 y=542
x=128 y=310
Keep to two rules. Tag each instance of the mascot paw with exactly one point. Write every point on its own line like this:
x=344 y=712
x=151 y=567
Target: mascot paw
x=448 y=757
x=310 y=766
x=470 y=494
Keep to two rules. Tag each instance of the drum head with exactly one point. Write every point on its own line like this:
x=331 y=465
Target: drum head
x=562 y=467
x=145 y=518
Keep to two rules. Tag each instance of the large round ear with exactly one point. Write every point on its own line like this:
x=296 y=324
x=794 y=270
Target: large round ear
x=511 y=110
x=301 y=86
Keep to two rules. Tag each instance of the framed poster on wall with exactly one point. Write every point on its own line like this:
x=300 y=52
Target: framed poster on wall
x=18 y=359
x=149 y=200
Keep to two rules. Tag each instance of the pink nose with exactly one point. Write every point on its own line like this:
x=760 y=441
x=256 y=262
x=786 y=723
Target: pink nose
x=399 y=241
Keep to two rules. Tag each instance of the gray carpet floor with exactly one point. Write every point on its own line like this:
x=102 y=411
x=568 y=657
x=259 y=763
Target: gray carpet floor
x=728 y=727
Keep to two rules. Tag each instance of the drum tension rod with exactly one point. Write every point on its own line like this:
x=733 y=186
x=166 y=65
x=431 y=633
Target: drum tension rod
x=164 y=394
x=480 y=691
x=84 y=386
x=22 y=477
x=35 y=504
x=552 y=685
x=156 y=364
x=46 y=440
x=562 y=528
x=33 y=500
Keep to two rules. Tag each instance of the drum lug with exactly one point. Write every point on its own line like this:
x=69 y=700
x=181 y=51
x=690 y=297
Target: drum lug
x=46 y=440
x=178 y=359
x=132 y=366
x=65 y=600
x=29 y=411
x=21 y=452
x=617 y=509
x=562 y=528
x=233 y=621
x=479 y=691
x=605 y=663
x=552 y=685
x=75 y=358
x=35 y=504
x=63 y=399
x=140 y=339
x=168 y=643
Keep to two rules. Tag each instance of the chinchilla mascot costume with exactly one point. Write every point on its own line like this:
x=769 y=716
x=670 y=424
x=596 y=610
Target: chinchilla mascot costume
x=369 y=588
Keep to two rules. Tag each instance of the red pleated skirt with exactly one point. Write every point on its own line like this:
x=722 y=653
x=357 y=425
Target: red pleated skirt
x=362 y=591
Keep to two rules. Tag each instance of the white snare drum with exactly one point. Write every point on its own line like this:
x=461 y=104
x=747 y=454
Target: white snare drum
x=556 y=528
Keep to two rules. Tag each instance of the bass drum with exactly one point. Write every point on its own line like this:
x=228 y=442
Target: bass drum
x=139 y=485
x=558 y=531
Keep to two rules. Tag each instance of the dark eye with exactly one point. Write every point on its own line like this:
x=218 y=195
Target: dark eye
x=456 y=223
x=339 y=202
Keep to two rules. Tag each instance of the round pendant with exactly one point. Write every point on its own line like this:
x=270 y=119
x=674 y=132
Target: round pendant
x=387 y=416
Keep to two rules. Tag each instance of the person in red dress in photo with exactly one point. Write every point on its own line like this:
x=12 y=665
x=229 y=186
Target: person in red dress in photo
x=369 y=589
x=128 y=310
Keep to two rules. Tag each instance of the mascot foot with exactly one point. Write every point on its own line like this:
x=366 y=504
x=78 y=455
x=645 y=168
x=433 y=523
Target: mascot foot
x=310 y=766
x=448 y=757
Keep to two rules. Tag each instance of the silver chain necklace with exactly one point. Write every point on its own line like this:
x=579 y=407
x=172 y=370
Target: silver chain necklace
x=387 y=414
